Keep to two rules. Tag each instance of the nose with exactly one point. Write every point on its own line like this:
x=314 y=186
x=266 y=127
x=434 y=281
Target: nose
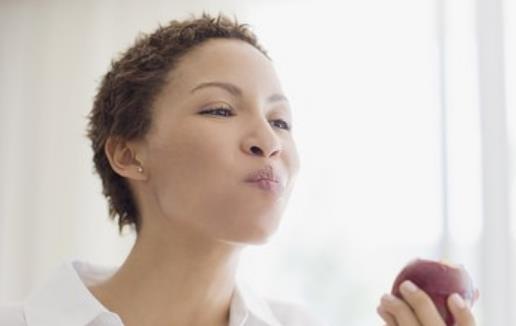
x=262 y=141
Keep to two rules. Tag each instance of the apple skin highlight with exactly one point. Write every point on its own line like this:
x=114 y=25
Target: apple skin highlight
x=439 y=280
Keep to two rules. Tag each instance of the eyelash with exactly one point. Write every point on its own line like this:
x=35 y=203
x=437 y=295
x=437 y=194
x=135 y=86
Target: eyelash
x=287 y=126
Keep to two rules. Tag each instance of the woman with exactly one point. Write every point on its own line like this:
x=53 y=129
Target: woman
x=191 y=134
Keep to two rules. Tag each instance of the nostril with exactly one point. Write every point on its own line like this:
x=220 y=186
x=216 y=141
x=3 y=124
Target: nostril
x=256 y=150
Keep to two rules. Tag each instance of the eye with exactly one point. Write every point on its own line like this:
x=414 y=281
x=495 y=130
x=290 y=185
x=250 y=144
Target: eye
x=225 y=111
x=285 y=124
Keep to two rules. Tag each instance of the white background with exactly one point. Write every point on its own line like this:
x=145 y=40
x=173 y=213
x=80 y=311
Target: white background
x=389 y=118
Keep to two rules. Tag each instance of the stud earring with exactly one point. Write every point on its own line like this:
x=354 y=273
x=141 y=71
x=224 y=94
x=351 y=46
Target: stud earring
x=139 y=169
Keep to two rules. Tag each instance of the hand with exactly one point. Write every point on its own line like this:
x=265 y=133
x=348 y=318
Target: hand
x=417 y=309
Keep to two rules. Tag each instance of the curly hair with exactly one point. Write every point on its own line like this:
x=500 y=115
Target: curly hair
x=122 y=107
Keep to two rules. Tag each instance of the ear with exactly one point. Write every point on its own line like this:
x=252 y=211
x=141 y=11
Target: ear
x=124 y=158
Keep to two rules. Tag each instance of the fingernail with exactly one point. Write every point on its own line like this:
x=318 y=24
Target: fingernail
x=458 y=301
x=388 y=298
x=408 y=287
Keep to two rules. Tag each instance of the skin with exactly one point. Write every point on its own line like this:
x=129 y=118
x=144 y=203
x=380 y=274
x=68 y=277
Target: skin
x=417 y=309
x=197 y=211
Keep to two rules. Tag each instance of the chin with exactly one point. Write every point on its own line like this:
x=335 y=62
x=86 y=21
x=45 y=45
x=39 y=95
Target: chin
x=259 y=240
x=255 y=236
x=246 y=242
x=246 y=226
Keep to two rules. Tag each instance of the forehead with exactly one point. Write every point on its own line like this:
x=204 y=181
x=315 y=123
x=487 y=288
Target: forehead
x=227 y=60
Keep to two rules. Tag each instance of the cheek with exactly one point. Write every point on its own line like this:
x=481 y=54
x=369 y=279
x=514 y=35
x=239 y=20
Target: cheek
x=190 y=170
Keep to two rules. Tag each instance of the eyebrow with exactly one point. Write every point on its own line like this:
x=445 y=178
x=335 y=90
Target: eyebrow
x=235 y=90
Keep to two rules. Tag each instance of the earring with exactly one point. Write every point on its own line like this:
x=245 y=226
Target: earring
x=139 y=169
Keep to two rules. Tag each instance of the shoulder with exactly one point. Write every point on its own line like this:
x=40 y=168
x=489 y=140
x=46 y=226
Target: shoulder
x=290 y=313
x=12 y=315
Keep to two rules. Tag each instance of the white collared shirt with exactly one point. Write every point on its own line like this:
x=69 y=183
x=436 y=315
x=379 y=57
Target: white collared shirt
x=66 y=301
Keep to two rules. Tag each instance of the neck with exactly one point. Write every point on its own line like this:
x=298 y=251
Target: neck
x=170 y=279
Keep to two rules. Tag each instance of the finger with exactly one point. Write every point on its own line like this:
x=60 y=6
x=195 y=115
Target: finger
x=387 y=317
x=402 y=313
x=422 y=304
x=460 y=311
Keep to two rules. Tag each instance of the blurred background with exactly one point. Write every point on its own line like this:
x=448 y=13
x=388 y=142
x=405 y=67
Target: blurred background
x=404 y=117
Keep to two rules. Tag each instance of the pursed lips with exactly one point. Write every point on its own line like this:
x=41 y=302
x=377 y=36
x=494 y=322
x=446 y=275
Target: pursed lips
x=266 y=179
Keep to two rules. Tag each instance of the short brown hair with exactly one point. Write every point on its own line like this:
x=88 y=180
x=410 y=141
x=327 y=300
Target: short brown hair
x=122 y=105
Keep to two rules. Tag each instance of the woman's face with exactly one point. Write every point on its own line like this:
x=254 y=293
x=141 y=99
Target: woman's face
x=221 y=116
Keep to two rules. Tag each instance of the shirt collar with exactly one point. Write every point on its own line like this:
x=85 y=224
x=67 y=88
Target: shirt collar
x=247 y=304
x=63 y=300
x=66 y=300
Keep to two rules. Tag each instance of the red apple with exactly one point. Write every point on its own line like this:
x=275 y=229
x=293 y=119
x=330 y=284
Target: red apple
x=439 y=280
